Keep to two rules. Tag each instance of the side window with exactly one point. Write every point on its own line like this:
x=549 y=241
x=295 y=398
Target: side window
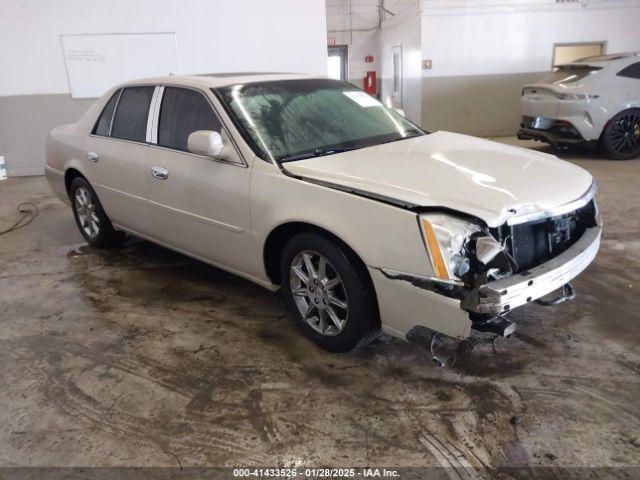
x=130 y=120
x=182 y=113
x=631 y=71
x=103 y=127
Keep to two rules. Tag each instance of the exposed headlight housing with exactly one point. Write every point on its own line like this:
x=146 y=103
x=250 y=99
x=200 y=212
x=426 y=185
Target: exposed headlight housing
x=445 y=236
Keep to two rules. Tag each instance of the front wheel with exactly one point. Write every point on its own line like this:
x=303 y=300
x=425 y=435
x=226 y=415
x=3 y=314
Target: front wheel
x=621 y=138
x=328 y=293
x=92 y=221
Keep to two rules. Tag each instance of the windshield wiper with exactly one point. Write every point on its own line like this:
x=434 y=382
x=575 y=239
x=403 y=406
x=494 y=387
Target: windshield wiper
x=401 y=138
x=317 y=152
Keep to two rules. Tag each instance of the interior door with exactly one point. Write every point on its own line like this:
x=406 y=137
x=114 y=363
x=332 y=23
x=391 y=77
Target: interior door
x=116 y=157
x=396 y=92
x=198 y=204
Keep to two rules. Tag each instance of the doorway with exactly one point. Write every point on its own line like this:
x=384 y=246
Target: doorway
x=396 y=85
x=569 y=52
x=337 y=63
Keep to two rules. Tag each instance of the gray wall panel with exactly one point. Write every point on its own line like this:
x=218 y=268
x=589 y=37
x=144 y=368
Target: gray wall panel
x=25 y=121
x=482 y=105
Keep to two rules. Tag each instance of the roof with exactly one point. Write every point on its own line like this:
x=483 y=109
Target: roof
x=214 y=80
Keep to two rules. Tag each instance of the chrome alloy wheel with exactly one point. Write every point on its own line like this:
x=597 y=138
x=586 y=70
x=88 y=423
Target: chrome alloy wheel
x=319 y=293
x=86 y=210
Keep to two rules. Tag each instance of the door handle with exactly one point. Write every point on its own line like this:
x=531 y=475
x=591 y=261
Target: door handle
x=160 y=173
x=93 y=156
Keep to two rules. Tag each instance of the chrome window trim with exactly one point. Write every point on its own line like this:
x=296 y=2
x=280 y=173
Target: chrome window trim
x=151 y=114
x=211 y=159
x=156 y=115
x=559 y=210
x=144 y=144
x=243 y=162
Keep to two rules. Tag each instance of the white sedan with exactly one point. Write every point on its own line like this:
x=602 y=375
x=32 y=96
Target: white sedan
x=593 y=101
x=364 y=221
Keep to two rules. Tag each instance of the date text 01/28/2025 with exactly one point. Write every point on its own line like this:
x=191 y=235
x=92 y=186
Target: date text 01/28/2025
x=315 y=472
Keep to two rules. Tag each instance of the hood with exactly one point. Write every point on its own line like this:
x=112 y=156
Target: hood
x=486 y=179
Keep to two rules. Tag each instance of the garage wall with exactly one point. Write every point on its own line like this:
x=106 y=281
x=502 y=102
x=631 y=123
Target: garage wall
x=404 y=30
x=483 y=52
x=356 y=23
x=211 y=36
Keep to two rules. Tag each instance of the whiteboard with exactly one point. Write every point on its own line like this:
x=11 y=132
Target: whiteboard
x=97 y=62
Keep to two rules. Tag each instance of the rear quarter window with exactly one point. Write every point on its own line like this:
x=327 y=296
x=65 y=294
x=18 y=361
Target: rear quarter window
x=630 y=71
x=130 y=119
x=103 y=125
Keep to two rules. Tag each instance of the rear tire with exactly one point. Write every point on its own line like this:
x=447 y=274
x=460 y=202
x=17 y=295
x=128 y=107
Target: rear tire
x=92 y=221
x=328 y=293
x=621 y=138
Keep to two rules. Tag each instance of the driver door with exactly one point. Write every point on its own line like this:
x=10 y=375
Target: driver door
x=198 y=204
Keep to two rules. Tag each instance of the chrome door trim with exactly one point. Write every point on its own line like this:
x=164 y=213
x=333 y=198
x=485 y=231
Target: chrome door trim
x=210 y=159
x=156 y=115
x=207 y=220
x=151 y=115
x=199 y=218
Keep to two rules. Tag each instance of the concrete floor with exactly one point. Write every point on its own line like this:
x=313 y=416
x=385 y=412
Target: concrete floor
x=140 y=356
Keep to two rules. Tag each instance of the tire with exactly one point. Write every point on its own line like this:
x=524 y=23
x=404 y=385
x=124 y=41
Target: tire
x=346 y=284
x=621 y=139
x=92 y=221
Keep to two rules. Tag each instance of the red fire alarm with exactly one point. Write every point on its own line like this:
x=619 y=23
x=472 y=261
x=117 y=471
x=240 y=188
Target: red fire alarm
x=368 y=58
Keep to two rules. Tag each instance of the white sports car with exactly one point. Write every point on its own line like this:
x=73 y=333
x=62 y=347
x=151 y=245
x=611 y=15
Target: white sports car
x=593 y=101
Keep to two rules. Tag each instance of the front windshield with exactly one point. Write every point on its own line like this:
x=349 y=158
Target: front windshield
x=289 y=120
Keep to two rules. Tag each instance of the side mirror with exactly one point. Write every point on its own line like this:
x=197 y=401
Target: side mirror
x=400 y=111
x=206 y=142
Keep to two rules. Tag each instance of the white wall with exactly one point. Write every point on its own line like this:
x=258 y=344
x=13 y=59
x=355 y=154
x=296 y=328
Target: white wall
x=211 y=36
x=484 y=51
x=405 y=30
x=511 y=36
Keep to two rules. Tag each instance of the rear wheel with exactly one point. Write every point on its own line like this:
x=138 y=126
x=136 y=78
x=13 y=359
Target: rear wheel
x=92 y=221
x=328 y=293
x=621 y=138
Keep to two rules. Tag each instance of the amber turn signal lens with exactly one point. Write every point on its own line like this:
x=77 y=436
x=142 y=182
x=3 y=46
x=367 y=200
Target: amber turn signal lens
x=434 y=250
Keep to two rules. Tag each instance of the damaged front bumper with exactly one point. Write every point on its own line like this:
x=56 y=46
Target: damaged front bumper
x=501 y=296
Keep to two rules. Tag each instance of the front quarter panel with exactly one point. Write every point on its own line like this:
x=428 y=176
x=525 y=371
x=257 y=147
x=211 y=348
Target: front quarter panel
x=383 y=236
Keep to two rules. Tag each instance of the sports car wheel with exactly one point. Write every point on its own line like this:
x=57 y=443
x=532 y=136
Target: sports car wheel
x=621 y=138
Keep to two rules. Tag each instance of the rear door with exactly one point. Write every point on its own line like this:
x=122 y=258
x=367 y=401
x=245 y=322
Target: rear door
x=198 y=204
x=116 y=157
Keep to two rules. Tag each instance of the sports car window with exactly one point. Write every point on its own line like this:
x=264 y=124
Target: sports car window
x=103 y=126
x=631 y=71
x=130 y=120
x=182 y=113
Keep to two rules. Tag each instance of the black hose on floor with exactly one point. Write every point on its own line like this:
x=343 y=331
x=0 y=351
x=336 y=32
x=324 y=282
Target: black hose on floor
x=29 y=211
